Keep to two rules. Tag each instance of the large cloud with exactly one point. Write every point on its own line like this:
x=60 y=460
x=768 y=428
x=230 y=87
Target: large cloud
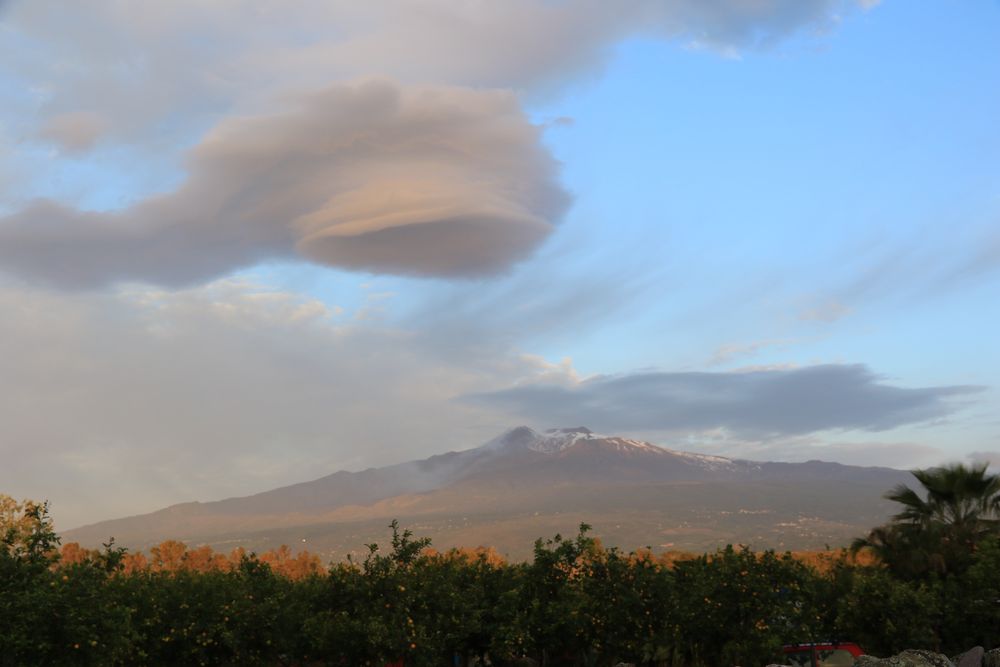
x=751 y=404
x=415 y=180
x=425 y=181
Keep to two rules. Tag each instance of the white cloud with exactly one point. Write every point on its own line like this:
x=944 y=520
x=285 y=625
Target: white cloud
x=730 y=351
x=142 y=65
x=826 y=312
x=420 y=180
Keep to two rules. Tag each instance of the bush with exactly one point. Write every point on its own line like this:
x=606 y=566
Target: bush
x=576 y=603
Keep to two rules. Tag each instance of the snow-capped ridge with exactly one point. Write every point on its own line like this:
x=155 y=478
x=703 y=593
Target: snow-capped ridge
x=552 y=441
x=556 y=440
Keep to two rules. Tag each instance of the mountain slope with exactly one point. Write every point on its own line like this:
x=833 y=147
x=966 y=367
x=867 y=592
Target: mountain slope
x=525 y=484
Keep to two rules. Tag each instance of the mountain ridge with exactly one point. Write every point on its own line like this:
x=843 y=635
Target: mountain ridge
x=520 y=482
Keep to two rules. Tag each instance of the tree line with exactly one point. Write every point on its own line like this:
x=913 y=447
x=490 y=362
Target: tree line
x=933 y=582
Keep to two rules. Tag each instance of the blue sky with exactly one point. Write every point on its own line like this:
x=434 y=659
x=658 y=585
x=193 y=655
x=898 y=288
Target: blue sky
x=801 y=168
x=709 y=210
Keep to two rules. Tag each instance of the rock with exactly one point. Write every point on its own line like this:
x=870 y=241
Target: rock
x=971 y=658
x=930 y=658
x=992 y=658
x=910 y=658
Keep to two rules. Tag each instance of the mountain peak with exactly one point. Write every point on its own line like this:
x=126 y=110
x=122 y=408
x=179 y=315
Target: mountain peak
x=558 y=440
x=553 y=440
x=523 y=474
x=519 y=437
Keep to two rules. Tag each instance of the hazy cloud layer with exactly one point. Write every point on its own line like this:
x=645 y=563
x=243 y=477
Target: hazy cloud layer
x=983 y=262
x=422 y=181
x=752 y=404
x=900 y=455
x=731 y=351
x=992 y=458
x=75 y=131
x=190 y=57
x=128 y=401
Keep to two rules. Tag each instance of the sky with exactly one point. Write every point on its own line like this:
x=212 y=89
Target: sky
x=245 y=243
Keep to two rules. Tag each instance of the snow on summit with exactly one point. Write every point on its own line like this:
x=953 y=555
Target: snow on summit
x=556 y=440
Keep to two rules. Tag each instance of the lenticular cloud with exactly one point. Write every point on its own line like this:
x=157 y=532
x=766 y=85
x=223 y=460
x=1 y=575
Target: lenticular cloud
x=431 y=181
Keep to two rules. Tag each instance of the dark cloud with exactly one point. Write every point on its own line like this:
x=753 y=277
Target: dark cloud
x=433 y=181
x=750 y=404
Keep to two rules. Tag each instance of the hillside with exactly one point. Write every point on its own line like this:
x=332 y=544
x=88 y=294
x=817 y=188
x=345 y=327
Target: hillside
x=526 y=484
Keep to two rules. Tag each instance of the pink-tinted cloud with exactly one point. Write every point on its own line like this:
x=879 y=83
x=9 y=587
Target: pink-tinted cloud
x=434 y=181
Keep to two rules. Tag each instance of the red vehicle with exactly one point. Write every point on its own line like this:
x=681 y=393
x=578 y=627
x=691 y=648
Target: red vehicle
x=822 y=654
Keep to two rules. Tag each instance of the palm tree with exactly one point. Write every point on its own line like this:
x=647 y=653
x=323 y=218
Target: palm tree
x=965 y=499
x=939 y=530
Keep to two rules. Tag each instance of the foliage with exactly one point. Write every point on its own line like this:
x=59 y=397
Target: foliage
x=738 y=607
x=887 y=615
x=26 y=532
x=971 y=603
x=576 y=603
x=937 y=533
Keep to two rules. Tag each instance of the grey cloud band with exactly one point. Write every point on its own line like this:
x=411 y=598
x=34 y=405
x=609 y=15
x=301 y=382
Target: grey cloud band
x=752 y=404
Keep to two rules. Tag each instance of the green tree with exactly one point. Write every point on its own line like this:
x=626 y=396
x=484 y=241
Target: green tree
x=365 y=615
x=970 y=603
x=938 y=530
x=53 y=614
x=737 y=607
x=555 y=629
x=886 y=615
x=624 y=604
x=26 y=531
